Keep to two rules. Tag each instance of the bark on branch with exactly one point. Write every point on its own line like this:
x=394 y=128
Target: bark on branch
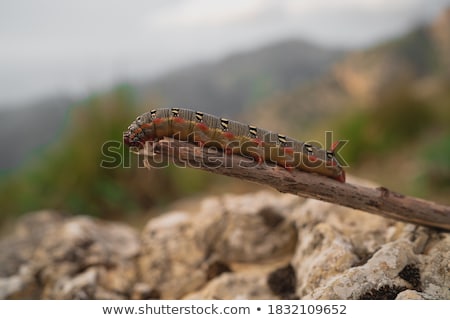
x=380 y=201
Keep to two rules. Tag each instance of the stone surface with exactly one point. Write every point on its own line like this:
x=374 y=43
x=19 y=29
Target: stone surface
x=59 y=257
x=247 y=285
x=179 y=248
x=257 y=246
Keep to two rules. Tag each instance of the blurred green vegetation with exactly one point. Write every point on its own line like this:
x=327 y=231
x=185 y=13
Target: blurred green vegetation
x=398 y=119
x=402 y=130
x=437 y=164
x=67 y=175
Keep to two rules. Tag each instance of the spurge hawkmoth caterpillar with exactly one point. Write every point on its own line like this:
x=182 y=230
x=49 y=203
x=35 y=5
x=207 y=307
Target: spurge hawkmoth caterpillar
x=232 y=137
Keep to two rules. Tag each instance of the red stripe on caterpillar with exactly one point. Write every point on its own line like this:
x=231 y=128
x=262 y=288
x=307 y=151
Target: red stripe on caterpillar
x=232 y=137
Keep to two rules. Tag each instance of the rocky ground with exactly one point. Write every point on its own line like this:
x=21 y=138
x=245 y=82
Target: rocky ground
x=256 y=246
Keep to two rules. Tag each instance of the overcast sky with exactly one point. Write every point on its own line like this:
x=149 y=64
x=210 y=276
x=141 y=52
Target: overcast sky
x=52 y=47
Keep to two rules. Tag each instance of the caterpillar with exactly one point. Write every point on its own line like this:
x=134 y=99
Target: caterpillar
x=234 y=138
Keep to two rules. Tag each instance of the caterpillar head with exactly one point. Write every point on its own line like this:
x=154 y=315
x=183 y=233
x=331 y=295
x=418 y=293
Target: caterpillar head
x=138 y=132
x=133 y=137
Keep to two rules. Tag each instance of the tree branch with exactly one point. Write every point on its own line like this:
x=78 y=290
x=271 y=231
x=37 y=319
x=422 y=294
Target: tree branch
x=380 y=201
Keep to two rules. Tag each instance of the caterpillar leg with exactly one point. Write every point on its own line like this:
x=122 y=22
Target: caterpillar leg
x=341 y=177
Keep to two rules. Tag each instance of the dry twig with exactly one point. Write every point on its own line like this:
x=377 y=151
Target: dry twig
x=379 y=200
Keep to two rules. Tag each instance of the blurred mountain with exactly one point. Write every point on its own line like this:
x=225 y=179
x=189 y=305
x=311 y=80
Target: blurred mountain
x=420 y=55
x=241 y=80
x=419 y=60
x=441 y=33
x=25 y=130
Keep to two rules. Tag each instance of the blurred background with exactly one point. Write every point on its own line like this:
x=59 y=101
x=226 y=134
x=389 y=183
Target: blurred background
x=74 y=74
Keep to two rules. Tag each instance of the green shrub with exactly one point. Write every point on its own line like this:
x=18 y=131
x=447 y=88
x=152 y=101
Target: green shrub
x=396 y=120
x=436 y=157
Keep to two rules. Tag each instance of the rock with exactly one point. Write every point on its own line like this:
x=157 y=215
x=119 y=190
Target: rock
x=16 y=252
x=172 y=260
x=242 y=286
x=143 y=291
x=409 y=295
x=17 y=249
x=257 y=246
x=18 y=284
x=178 y=248
x=435 y=266
x=70 y=258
